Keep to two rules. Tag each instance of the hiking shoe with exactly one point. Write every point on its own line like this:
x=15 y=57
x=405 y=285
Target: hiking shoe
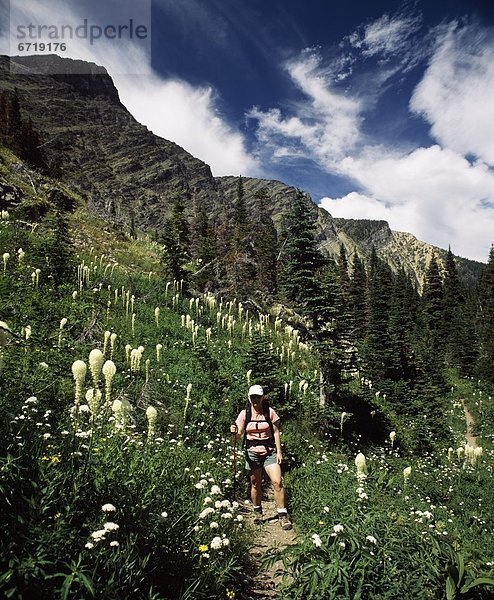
x=258 y=514
x=285 y=522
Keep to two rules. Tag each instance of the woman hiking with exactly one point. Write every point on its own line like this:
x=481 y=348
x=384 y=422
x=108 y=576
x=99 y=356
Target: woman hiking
x=262 y=450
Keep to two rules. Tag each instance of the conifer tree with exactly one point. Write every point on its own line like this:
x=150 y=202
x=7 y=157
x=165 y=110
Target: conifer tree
x=401 y=328
x=310 y=283
x=345 y=312
x=378 y=351
x=454 y=313
x=343 y=272
x=265 y=246
x=433 y=303
x=204 y=249
x=329 y=337
x=240 y=215
x=175 y=240
x=265 y=366
x=240 y=261
x=358 y=299
x=486 y=320
x=301 y=260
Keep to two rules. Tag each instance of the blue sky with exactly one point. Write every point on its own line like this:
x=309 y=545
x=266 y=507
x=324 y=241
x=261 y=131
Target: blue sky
x=379 y=110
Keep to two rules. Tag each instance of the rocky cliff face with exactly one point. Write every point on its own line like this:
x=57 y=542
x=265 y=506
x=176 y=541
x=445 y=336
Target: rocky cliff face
x=129 y=174
x=92 y=141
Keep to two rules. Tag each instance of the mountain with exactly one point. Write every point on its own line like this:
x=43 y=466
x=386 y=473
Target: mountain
x=129 y=175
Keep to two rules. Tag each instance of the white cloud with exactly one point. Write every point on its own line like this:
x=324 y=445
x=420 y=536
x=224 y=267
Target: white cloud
x=386 y=36
x=173 y=109
x=327 y=125
x=188 y=116
x=457 y=91
x=432 y=192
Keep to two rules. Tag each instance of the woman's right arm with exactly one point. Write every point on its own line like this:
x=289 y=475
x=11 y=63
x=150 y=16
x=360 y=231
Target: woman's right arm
x=237 y=428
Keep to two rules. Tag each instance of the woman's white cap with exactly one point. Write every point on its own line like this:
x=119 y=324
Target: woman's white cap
x=256 y=390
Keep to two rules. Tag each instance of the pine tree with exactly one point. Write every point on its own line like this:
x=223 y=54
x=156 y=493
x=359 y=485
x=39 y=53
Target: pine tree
x=454 y=313
x=329 y=337
x=59 y=248
x=301 y=260
x=358 y=299
x=401 y=328
x=310 y=283
x=377 y=350
x=240 y=261
x=204 y=249
x=240 y=215
x=433 y=304
x=265 y=366
x=265 y=246
x=343 y=273
x=486 y=320
x=175 y=240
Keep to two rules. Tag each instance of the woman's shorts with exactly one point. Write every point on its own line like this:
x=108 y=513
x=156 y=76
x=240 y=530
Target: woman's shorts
x=254 y=461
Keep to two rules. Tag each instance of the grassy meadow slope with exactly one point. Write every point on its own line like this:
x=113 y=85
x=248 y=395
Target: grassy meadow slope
x=117 y=475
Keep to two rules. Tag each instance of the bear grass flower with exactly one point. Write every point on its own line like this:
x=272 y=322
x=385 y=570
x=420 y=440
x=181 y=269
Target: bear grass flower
x=151 y=415
x=93 y=398
x=109 y=370
x=106 y=339
x=79 y=370
x=96 y=360
x=316 y=540
x=121 y=410
x=5 y=335
x=361 y=465
x=392 y=437
x=108 y=508
x=159 y=347
x=113 y=338
x=6 y=257
x=407 y=471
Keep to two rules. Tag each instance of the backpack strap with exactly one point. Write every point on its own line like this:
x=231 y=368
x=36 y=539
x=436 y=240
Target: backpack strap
x=267 y=416
x=248 y=419
x=269 y=443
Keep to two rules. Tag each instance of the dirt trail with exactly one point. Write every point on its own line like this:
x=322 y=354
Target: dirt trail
x=262 y=583
x=469 y=436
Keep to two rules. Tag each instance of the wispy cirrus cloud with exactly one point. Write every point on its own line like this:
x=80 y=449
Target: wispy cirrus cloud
x=325 y=126
x=387 y=36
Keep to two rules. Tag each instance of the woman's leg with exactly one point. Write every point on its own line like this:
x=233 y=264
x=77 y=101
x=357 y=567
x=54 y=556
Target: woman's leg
x=256 y=487
x=274 y=474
